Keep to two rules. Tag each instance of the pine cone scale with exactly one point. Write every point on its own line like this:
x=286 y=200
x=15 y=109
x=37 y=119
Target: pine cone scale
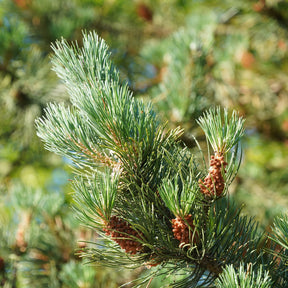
x=214 y=182
x=120 y=232
x=183 y=230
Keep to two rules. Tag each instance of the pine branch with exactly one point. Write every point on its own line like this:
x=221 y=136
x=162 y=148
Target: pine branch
x=149 y=204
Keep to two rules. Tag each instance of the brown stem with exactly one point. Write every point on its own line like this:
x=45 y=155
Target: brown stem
x=150 y=281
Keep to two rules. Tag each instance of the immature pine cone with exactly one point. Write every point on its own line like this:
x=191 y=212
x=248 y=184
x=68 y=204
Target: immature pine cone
x=182 y=232
x=119 y=230
x=214 y=181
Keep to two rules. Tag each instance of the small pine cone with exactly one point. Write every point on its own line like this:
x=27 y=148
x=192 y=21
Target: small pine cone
x=119 y=230
x=214 y=182
x=183 y=232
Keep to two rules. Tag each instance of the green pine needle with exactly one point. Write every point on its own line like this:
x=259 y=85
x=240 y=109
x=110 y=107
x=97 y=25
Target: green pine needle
x=179 y=196
x=280 y=231
x=243 y=278
x=95 y=197
x=223 y=132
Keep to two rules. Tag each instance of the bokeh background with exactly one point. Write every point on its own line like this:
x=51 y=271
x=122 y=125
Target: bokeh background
x=183 y=55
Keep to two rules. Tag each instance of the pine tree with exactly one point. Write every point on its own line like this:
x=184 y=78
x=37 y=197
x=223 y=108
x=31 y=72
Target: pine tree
x=153 y=201
x=228 y=53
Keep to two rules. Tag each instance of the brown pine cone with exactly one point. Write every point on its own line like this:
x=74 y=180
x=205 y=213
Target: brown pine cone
x=214 y=183
x=183 y=232
x=119 y=230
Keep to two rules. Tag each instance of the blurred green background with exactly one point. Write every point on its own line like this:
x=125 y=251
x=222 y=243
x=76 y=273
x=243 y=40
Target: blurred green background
x=183 y=55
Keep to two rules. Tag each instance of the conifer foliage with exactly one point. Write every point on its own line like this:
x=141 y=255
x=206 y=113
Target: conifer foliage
x=153 y=201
